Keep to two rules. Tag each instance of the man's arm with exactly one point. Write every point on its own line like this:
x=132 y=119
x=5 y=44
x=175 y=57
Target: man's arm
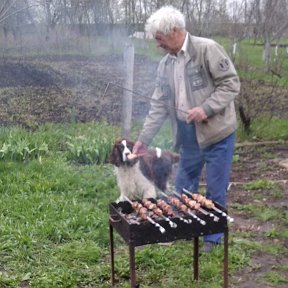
x=225 y=78
x=139 y=148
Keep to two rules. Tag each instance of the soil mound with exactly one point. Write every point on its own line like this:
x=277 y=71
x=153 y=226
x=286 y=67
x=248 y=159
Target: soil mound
x=25 y=74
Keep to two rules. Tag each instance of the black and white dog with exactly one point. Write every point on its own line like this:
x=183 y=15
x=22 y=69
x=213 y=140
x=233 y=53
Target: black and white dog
x=138 y=177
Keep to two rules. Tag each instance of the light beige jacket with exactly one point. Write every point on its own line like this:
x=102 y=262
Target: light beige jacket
x=211 y=83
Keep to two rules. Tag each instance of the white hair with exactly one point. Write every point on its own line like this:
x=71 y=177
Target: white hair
x=164 y=20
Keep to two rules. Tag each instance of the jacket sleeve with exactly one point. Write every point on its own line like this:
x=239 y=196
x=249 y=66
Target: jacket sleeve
x=224 y=76
x=158 y=112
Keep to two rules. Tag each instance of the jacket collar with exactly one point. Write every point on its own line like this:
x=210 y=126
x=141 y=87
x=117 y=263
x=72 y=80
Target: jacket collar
x=191 y=51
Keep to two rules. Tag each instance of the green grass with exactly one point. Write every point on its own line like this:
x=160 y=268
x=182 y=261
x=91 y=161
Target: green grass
x=274 y=278
x=259 y=184
x=265 y=129
x=82 y=143
x=54 y=220
x=259 y=211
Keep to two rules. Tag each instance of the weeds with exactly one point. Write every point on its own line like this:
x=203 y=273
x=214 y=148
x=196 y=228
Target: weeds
x=22 y=147
x=259 y=184
x=91 y=147
x=274 y=278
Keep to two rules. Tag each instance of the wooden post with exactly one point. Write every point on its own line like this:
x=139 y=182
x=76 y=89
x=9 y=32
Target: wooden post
x=128 y=85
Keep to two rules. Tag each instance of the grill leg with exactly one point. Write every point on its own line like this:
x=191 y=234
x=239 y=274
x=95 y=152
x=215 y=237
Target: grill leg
x=132 y=266
x=196 y=258
x=112 y=255
x=225 y=259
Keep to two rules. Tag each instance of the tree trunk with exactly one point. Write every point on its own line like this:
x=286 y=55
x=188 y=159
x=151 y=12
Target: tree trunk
x=267 y=53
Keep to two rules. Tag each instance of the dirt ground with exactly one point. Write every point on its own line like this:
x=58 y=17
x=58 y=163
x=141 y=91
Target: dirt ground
x=61 y=89
x=57 y=89
x=261 y=163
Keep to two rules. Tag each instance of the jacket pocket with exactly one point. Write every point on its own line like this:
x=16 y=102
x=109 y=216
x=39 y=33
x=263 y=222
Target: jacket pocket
x=197 y=77
x=165 y=88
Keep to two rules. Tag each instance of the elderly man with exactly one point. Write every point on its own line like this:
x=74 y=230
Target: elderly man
x=196 y=86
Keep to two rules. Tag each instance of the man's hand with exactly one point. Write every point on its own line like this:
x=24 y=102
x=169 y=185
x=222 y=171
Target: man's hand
x=139 y=148
x=196 y=114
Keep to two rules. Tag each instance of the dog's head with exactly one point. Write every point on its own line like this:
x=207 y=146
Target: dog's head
x=120 y=152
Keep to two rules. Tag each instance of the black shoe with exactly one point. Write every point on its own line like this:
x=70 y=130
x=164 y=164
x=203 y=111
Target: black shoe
x=208 y=247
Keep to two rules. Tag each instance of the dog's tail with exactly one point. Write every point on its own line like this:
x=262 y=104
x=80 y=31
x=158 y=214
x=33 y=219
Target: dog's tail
x=175 y=157
x=162 y=168
x=168 y=154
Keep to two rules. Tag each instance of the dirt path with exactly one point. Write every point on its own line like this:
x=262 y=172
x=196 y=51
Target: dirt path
x=259 y=167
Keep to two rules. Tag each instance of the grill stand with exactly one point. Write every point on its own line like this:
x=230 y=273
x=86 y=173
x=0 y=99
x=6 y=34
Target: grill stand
x=196 y=258
x=132 y=265
x=133 y=279
x=112 y=254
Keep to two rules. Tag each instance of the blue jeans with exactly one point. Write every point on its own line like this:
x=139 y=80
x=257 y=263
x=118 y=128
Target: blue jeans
x=217 y=159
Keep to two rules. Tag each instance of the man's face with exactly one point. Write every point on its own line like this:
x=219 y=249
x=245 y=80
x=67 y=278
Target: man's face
x=168 y=42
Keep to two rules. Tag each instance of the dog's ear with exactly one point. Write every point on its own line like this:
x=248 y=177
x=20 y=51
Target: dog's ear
x=115 y=156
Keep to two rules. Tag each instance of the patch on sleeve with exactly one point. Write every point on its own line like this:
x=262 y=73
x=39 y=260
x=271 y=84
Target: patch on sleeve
x=223 y=64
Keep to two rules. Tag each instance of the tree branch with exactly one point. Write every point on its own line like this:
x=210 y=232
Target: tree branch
x=15 y=12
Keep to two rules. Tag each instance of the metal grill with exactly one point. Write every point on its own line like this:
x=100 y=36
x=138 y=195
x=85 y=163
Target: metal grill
x=141 y=232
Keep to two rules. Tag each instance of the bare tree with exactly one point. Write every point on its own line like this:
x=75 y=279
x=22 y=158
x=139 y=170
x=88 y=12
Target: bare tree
x=9 y=8
x=13 y=15
x=240 y=16
x=270 y=23
x=53 y=13
x=202 y=15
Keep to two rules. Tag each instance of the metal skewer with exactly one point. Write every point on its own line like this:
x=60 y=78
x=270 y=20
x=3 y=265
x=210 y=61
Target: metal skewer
x=171 y=223
x=230 y=219
x=205 y=121
x=187 y=221
x=215 y=218
x=189 y=212
x=161 y=229
x=202 y=222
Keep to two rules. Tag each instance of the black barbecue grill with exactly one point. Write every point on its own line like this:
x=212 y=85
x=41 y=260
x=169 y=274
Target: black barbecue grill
x=138 y=233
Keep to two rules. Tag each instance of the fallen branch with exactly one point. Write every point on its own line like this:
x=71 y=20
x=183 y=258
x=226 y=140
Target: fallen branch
x=263 y=143
x=243 y=183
